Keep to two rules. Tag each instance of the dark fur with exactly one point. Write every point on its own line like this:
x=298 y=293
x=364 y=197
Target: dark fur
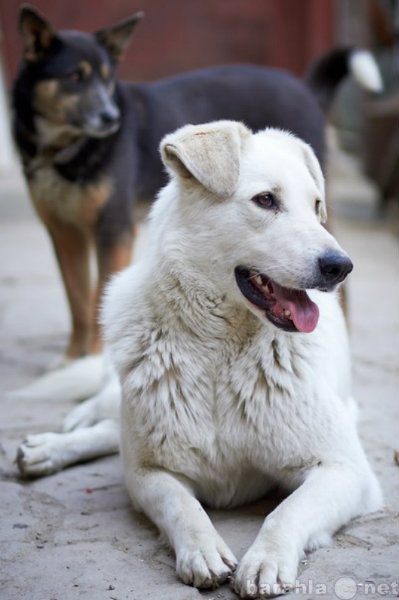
x=142 y=113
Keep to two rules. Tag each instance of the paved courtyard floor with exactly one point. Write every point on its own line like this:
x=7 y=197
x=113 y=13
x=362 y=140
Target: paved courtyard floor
x=73 y=535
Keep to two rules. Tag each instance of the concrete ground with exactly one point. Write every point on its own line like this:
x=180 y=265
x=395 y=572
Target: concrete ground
x=73 y=535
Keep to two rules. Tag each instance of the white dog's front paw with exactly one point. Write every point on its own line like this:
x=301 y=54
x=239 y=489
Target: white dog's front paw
x=205 y=563
x=39 y=455
x=265 y=571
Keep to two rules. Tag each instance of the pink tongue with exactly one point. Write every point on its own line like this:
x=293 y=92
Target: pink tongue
x=304 y=312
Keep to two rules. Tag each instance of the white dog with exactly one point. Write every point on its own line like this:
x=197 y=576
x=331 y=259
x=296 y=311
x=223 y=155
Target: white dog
x=233 y=361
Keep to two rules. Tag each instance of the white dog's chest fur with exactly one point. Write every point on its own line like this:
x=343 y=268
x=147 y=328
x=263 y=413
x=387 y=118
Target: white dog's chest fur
x=232 y=402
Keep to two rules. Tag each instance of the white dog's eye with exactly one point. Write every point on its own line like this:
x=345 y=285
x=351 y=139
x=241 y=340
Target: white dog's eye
x=265 y=200
x=317 y=206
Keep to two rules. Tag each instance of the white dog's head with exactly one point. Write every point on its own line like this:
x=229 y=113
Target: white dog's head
x=249 y=210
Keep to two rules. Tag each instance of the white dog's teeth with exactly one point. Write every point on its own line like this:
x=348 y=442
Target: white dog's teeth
x=287 y=313
x=258 y=280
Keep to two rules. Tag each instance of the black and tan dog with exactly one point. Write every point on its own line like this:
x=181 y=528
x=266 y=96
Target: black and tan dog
x=89 y=142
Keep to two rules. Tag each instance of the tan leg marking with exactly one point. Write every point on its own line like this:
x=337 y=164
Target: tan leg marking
x=110 y=260
x=72 y=247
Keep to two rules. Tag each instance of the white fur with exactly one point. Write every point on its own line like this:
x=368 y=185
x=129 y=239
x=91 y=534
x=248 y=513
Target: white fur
x=89 y=431
x=365 y=71
x=218 y=404
x=74 y=381
x=46 y=453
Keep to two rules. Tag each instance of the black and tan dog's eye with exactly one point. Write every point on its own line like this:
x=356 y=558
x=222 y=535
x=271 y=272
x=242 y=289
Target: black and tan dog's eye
x=265 y=200
x=75 y=76
x=81 y=73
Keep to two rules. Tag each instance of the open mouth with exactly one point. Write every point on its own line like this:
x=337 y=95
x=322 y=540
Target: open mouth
x=289 y=309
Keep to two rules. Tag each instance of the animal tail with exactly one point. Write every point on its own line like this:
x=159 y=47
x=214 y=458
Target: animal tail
x=326 y=73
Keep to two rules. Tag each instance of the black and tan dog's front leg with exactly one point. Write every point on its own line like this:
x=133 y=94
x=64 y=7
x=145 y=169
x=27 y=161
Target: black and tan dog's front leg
x=72 y=249
x=112 y=256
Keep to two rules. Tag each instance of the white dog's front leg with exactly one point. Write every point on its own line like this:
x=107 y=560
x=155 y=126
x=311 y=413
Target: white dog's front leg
x=328 y=499
x=202 y=557
x=47 y=453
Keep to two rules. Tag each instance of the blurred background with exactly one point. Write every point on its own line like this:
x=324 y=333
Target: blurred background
x=180 y=35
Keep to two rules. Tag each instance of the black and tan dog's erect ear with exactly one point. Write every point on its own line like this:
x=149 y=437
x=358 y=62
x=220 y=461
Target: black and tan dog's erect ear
x=38 y=35
x=117 y=38
x=209 y=154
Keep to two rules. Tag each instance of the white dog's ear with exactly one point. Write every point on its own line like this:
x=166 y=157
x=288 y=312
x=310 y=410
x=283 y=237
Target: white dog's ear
x=314 y=168
x=209 y=154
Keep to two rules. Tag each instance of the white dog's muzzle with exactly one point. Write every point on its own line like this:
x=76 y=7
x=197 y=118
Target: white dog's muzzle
x=287 y=308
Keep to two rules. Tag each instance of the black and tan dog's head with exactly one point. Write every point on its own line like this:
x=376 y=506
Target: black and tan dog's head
x=67 y=78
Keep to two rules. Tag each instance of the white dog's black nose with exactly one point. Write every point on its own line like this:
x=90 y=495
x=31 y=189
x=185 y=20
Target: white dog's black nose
x=334 y=267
